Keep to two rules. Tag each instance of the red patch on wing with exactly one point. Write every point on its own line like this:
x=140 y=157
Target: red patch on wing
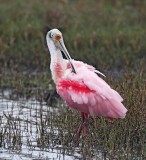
x=75 y=86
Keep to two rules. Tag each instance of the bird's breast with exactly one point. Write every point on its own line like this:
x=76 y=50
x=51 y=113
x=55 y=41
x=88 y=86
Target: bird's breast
x=57 y=71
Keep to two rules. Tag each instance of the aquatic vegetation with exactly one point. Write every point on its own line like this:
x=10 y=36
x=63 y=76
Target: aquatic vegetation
x=111 y=32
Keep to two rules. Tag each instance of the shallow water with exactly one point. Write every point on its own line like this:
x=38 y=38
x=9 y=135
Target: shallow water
x=25 y=115
x=21 y=125
x=29 y=130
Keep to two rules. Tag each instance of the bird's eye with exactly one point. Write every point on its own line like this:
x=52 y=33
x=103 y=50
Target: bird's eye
x=50 y=35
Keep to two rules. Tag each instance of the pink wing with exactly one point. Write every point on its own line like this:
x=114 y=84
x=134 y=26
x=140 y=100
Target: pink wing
x=86 y=92
x=79 y=64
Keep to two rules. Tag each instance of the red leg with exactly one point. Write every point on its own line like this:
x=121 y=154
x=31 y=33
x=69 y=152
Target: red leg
x=78 y=133
x=84 y=125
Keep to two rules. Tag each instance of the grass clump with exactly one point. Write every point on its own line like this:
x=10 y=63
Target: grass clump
x=107 y=35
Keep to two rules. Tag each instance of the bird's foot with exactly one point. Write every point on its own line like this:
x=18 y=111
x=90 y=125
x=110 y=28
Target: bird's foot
x=78 y=133
x=83 y=126
x=76 y=137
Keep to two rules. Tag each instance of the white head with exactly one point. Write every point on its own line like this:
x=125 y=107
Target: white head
x=54 y=35
x=56 y=44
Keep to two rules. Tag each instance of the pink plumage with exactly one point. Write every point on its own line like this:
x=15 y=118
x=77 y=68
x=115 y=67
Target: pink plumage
x=88 y=93
x=79 y=85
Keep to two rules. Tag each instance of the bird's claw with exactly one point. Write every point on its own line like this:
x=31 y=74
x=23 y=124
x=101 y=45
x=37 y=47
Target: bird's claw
x=86 y=128
x=76 y=137
x=83 y=126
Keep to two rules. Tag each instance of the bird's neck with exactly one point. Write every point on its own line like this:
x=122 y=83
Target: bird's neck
x=57 y=64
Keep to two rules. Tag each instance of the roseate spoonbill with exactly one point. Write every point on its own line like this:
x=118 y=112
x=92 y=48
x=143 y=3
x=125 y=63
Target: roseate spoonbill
x=79 y=85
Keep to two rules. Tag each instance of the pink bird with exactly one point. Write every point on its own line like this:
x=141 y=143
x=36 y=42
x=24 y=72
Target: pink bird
x=80 y=87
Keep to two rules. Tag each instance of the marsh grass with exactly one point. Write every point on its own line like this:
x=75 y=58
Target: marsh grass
x=108 y=35
x=54 y=128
